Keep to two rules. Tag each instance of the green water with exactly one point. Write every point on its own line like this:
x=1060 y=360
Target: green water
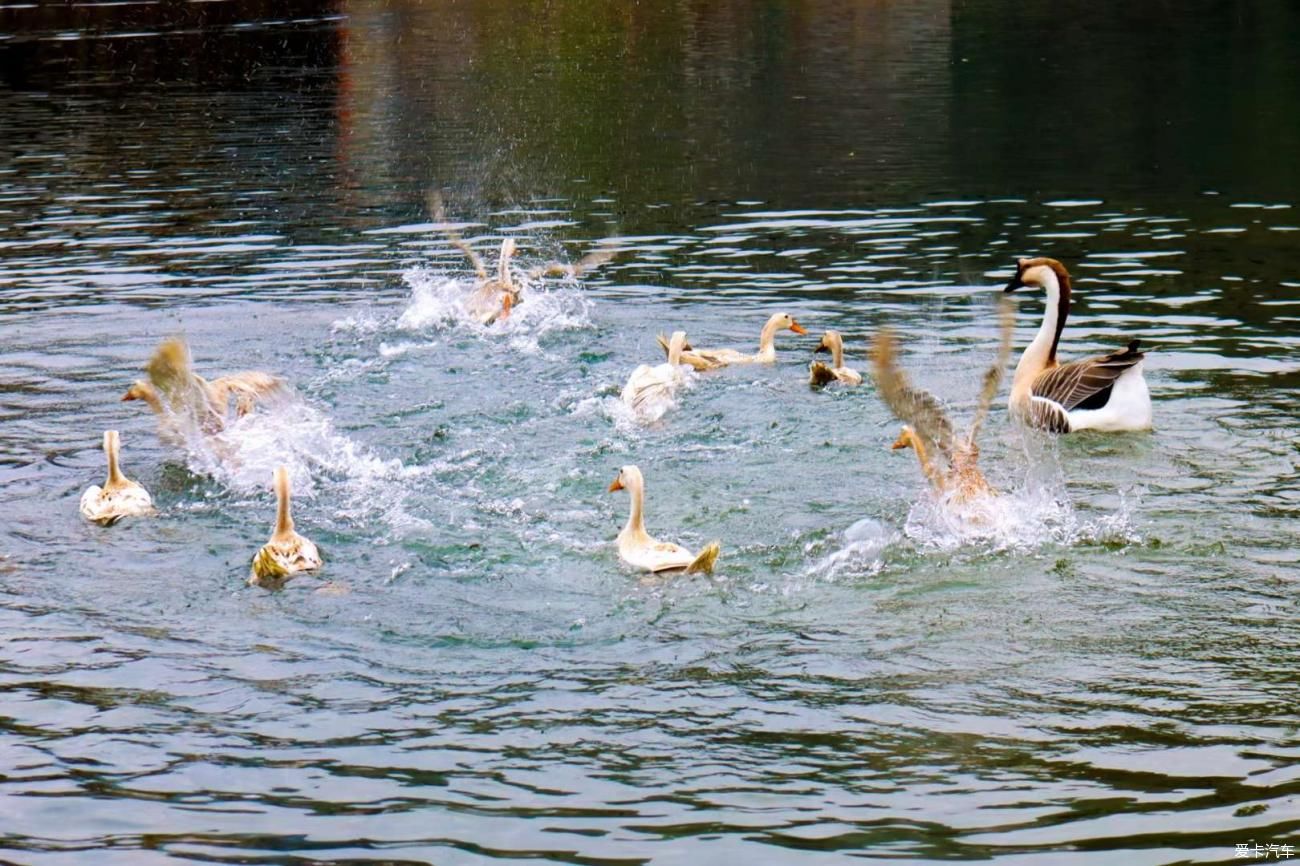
x=1103 y=675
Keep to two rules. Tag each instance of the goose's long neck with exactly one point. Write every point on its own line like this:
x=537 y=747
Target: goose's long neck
x=283 y=519
x=1041 y=353
x=837 y=354
x=767 y=339
x=503 y=264
x=635 y=518
x=675 y=351
x=928 y=469
x=111 y=446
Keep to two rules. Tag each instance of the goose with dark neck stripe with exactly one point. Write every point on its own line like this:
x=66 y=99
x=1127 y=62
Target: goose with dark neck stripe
x=1103 y=392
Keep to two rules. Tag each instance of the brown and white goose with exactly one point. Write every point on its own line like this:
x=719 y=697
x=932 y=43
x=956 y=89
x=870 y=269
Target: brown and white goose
x=821 y=374
x=1104 y=392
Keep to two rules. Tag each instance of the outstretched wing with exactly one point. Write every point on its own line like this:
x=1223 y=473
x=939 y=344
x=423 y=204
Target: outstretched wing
x=911 y=405
x=590 y=261
x=439 y=214
x=993 y=375
x=1086 y=383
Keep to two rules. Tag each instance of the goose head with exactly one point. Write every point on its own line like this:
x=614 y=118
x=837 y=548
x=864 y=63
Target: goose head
x=139 y=390
x=676 y=345
x=784 y=322
x=906 y=438
x=628 y=478
x=830 y=340
x=1040 y=273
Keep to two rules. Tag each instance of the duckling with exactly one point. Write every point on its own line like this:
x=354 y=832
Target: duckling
x=287 y=553
x=649 y=390
x=956 y=476
x=176 y=393
x=120 y=496
x=711 y=359
x=819 y=374
x=637 y=548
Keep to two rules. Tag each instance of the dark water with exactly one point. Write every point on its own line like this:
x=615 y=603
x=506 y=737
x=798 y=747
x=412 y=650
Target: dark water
x=1107 y=677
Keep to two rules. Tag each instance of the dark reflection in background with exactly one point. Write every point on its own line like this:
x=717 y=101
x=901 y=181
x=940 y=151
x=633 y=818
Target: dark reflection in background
x=797 y=103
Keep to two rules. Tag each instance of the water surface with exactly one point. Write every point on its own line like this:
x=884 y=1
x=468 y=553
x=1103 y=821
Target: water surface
x=1105 y=678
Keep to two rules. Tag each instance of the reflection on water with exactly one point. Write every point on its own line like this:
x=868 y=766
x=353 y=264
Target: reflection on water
x=1105 y=677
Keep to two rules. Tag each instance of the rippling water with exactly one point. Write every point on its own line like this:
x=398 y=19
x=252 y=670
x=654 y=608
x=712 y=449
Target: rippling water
x=1103 y=675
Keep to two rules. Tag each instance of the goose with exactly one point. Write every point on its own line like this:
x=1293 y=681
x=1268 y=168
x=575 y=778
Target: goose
x=950 y=463
x=287 y=553
x=1104 y=392
x=493 y=298
x=120 y=496
x=649 y=390
x=711 y=359
x=820 y=374
x=637 y=548
x=175 y=392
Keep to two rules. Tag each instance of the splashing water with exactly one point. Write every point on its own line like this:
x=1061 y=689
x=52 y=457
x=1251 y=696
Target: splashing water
x=438 y=301
x=289 y=432
x=862 y=554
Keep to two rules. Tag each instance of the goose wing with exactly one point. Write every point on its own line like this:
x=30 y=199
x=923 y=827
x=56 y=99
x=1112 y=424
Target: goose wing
x=994 y=374
x=701 y=360
x=1086 y=383
x=590 y=261
x=909 y=404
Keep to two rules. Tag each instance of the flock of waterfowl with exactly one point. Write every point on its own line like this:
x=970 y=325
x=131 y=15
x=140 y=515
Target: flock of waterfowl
x=1104 y=393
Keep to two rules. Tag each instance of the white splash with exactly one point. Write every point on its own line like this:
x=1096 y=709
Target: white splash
x=438 y=301
x=861 y=555
x=321 y=461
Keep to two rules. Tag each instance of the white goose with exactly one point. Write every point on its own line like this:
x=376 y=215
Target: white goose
x=637 y=548
x=287 y=553
x=1104 y=392
x=649 y=391
x=820 y=373
x=711 y=359
x=120 y=496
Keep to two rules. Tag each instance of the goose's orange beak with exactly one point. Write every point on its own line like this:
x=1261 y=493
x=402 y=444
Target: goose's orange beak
x=616 y=484
x=797 y=328
x=900 y=442
x=129 y=395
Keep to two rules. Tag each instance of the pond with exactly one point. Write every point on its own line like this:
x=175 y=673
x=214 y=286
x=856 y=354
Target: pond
x=1103 y=674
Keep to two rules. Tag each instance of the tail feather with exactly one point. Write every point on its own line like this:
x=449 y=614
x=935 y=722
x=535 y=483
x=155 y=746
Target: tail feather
x=819 y=374
x=703 y=563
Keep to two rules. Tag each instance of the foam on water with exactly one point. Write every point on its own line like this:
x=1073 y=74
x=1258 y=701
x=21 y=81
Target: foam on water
x=321 y=461
x=1021 y=520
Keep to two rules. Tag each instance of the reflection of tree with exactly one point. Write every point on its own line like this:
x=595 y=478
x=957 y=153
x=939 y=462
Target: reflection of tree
x=698 y=98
